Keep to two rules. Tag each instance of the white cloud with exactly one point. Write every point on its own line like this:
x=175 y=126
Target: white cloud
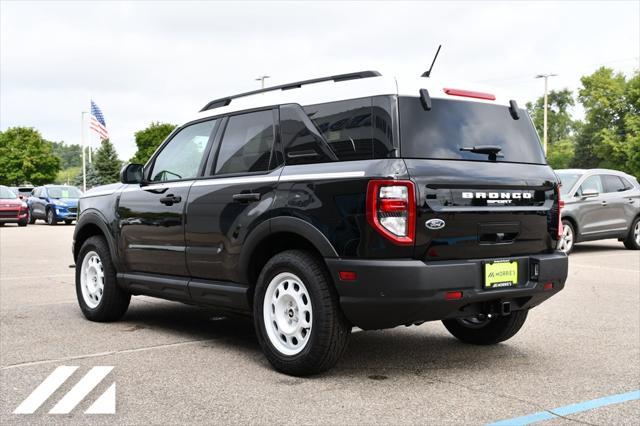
x=148 y=61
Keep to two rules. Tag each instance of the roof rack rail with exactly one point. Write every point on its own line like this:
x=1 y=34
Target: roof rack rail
x=336 y=78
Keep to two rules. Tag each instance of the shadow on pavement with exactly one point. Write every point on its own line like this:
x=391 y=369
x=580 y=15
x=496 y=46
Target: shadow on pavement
x=591 y=247
x=401 y=350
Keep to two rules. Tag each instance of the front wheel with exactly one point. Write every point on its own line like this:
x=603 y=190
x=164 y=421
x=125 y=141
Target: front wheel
x=486 y=330
x=298 y=320
x=51 y=217
x=99 y=296
x=68 y=222
x=32 y=219
x=22 y=222
x=632 y=242
x=568 y=238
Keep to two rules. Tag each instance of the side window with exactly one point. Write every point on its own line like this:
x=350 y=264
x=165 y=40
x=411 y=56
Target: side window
x=627 y=184
x=592 y=182
x=302 y=142
x=246 y=144
x=613 y=183
x=181 y=156
x=354 y=129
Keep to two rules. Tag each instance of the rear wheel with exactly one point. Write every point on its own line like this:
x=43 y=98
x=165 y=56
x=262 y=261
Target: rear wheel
x=99 y=296
x=632 y=242
x=568 y=238
x=486 y=330
x=298 y=320
x=51 y=217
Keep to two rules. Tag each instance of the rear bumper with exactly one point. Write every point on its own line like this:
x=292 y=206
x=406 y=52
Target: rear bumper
x=388 y=293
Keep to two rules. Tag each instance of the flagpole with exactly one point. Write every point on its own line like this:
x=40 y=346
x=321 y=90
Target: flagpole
x=89 y=147
x=84 y=162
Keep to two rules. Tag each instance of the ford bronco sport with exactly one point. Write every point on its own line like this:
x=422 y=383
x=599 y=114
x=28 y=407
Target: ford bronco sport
x=316 y=206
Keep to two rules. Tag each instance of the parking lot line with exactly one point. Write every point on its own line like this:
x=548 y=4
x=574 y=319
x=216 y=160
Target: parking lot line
x=569 y=409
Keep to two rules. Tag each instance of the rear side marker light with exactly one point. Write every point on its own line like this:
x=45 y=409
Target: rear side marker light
x=469 y=94
x=391 y=209
x=547 y=286
x=348 y=275
x=453 y=295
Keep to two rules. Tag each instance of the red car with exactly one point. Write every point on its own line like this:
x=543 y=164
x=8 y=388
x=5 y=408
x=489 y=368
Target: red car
x=12 y=209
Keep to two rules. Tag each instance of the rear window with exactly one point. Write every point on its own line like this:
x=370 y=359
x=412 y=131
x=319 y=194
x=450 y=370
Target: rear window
x=451 y=125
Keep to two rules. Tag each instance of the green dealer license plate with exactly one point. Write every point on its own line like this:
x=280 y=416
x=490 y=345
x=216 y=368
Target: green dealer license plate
x=501 y=273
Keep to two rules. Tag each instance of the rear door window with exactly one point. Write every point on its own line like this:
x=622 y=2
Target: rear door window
x=452 y=125
x=247 y=144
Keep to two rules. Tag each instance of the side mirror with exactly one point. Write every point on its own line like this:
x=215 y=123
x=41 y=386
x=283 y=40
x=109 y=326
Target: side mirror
x=131 y=173
x=590 y=193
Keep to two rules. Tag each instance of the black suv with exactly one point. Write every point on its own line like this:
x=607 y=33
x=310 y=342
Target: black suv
x=317 y=206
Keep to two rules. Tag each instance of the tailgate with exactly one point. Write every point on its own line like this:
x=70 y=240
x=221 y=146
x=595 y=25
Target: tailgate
x=469 y=209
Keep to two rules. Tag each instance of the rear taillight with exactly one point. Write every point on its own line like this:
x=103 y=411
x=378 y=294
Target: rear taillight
x=391 y=209
x=560 y=206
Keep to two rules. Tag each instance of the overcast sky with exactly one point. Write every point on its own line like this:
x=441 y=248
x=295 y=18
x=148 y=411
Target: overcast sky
x=162 y=61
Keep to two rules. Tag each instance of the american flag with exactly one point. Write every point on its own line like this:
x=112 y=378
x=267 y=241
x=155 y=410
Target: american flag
x=97 y=122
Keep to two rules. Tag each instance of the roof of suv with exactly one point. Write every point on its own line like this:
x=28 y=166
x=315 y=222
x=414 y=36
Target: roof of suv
x=343 y=87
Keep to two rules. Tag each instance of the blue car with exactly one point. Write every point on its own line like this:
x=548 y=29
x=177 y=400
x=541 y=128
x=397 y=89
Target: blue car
x=54 y=203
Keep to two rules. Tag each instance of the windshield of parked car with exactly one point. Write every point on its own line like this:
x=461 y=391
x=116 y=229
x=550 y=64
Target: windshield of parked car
x=64 y=192
x=6 y=193
x=567 y=180
x=463 y=130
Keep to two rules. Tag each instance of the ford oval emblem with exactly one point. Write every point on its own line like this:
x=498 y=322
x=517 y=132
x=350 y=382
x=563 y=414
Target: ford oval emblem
x=435 y=224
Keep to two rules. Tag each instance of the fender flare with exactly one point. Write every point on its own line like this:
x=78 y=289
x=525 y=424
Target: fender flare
x=288 y=224
x=94 y=217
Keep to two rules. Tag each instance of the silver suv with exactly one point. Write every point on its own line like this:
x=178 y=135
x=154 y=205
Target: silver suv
x=599 y=204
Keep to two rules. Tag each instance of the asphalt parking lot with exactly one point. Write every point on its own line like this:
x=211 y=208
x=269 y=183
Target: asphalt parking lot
x=176 y=364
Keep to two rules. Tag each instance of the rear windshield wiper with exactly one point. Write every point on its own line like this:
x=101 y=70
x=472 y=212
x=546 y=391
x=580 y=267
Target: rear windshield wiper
x=491 y=150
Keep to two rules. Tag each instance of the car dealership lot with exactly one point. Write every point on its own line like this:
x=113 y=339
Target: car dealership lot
x=178 y=364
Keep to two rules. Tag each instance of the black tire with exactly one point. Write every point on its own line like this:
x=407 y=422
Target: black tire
x=114 y=301
x=22 y=222
x=488 y=332
x=51 y=218
x=32 y=219
x=330 y=329
x=631 y=242
x=68 y=222
x=572 y=230
x=1 y=224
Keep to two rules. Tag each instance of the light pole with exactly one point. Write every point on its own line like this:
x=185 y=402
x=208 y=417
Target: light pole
x=261 y=79
x=544 y=131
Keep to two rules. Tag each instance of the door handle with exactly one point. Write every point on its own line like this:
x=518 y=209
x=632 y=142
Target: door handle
x=631 y=200
x=170 y=199
x=604 y=203
x=246 y=197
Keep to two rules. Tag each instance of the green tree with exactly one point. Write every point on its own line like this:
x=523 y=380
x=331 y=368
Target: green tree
x=149 y=139
x=560 y=154
x=106 y=163
x=632 y=125
x=602 y=140
x=67 y=175
x=92 y=177
x=560 y=125
x=25 y=157
x=70 y=155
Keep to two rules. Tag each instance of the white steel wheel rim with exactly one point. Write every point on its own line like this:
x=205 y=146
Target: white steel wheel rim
x=92 y=279
x=636 y=233
x=566 y=241
x=287 y=313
